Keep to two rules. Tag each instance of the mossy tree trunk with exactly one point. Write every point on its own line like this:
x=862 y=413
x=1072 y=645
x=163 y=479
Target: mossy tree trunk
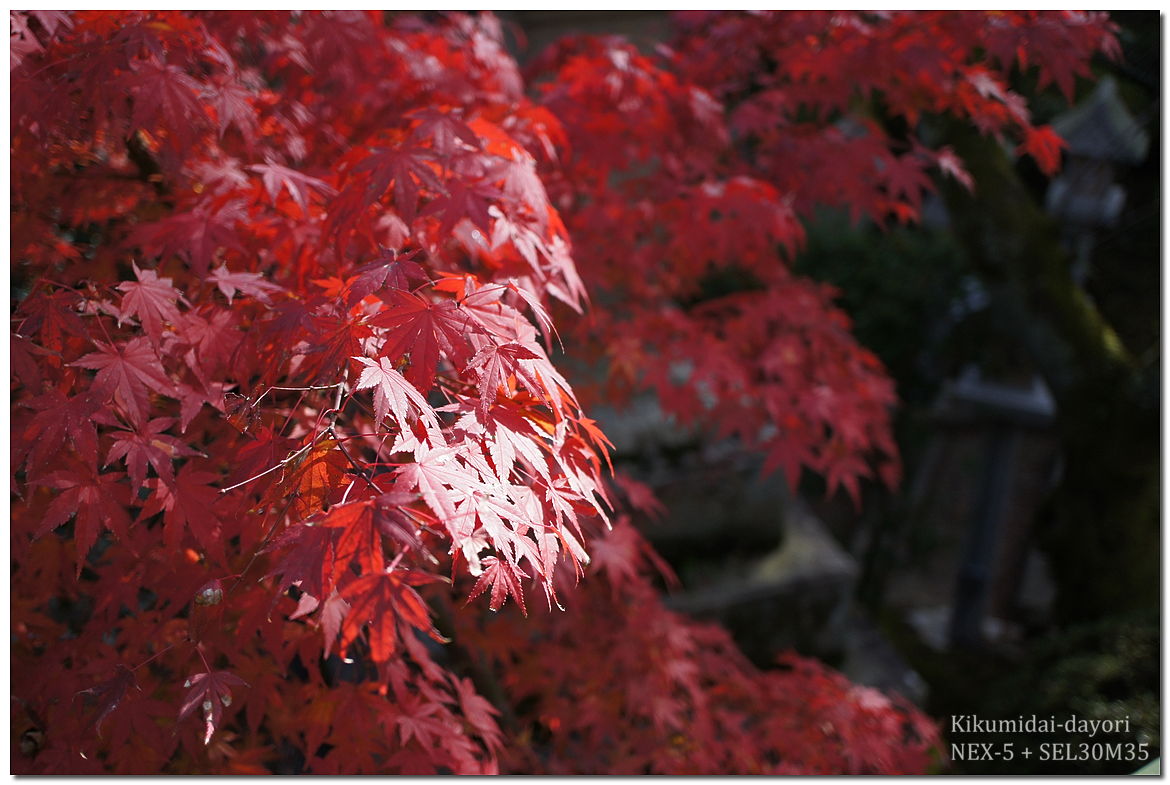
x=1101 y=529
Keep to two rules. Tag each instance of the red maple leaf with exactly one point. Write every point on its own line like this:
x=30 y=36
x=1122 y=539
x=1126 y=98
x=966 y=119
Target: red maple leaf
x=359 y=539
x=209 y=693
x=331 y=339
x=109 y=693
x=390 y=607
x=422 y=331
x=196 y=236
x=442 y=129
x=951 y=164
x=98 y=500
x=440 y=480
x=148 y=445
x=415 y=718
x=308 y=560
x=496 y=363
x=512 y=435
x=249 y=283
x=478 y=712
x=393 y=521
x=640 y=496
x=151 y=299
x=142 y=740
x=59 y=419
x=310 y=481
x=50 y=315
x=393 y=393
x=332 y=613
x=407 y=168
x=298 y=185
x=905 y=178
x=127 y=371
x=504 y=579
x=232 y=103
x=465 y=200
x=622 y=553
x=187 y=506
x=522 y=185
x=1044 y=145
x=211 y=346
x=389 y=270
x=166 y=97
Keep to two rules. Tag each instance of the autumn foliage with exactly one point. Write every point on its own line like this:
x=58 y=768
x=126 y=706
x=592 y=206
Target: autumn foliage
x=290 y=420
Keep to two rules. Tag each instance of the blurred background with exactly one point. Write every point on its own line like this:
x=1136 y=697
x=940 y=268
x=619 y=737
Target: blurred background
x=1016 y=571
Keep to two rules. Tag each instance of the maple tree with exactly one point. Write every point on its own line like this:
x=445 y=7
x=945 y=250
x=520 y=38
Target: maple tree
x=287 y=292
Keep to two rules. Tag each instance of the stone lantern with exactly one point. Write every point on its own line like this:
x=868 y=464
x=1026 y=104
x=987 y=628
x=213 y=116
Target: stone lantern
x=1101 y=135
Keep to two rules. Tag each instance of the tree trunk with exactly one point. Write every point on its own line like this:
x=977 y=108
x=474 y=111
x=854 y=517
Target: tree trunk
x=1101 y=528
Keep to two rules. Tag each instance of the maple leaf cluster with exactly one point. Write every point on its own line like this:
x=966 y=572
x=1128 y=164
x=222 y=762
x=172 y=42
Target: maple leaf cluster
x=282 y=366
x=283 y=388
x=688 y=698
x=695 y=165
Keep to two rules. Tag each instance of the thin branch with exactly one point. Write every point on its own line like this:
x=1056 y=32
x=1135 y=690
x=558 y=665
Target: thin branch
x=296 y=389
x=260 y=547
x=282 y=464
x=308 y=389
x=363 y=471
x=151 y=657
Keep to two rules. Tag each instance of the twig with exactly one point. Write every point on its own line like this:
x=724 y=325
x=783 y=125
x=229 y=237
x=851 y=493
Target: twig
x=282 y=464
x=362 y=471
x=151 y=657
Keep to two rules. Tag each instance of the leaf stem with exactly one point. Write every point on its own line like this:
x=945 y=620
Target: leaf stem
x=199 y=649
